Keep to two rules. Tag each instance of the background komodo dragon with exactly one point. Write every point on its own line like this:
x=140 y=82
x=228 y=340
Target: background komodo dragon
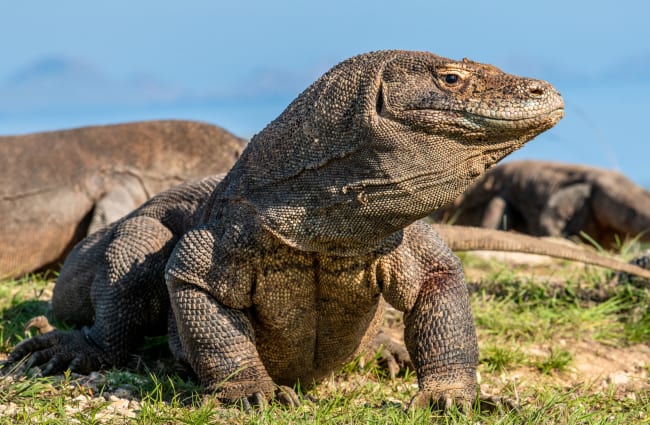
x=281 y=279
x=544 y=198
x=94 y=286
x=55 y=186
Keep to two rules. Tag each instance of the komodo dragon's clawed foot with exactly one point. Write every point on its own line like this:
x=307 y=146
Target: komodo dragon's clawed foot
x=442 y=401
x=453 y=398
x=57 y=351
x=389 y=353
x=497 y=403
x=446 y=389
x=283 y=395
x=256 y=400
x=286 y=396
x=642 y=260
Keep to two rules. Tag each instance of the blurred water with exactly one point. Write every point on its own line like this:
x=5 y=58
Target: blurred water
x=605 y=125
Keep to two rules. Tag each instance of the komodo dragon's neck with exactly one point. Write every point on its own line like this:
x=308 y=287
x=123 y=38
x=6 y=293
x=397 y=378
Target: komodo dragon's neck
x=381 y=140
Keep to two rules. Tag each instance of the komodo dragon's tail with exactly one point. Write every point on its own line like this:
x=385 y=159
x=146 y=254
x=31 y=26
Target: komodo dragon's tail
x=463 y=238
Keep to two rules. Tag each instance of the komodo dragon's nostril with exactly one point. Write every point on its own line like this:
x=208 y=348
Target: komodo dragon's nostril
x=536 y=90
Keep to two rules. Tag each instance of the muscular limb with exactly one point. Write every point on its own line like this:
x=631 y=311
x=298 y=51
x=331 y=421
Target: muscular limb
x=622 y=207
x=219 y=344
x=566 y=206
x=493 y=216
x=71 y=301
x=423 y=278
x=129 y=299
x=441 y=340
x=218 y=341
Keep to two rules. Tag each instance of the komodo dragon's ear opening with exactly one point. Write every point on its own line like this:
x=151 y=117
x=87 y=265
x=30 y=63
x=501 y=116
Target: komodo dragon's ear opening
x=379 y=103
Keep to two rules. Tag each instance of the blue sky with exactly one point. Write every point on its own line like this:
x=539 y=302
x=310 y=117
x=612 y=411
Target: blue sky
x=248 y=59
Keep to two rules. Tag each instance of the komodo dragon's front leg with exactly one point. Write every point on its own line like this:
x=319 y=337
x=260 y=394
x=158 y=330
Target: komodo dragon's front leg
x=425 y=279
x=222 y=345
x=114 y=295
x=209 y=300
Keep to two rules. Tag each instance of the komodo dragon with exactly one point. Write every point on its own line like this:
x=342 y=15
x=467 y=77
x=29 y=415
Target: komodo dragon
x=55 y=186
x=544 y=198
x=281 y=279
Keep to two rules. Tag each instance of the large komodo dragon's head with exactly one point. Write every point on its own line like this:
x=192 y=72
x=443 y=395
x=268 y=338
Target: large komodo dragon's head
x=383 y=139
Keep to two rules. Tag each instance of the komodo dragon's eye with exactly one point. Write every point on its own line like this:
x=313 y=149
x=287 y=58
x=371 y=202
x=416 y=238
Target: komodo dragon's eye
x=452 y=78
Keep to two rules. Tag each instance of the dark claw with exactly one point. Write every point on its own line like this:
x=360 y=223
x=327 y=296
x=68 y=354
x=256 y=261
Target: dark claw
x=442 y=403
x=75 y=365
x=258 y=400
x=389 y=353
x=41 y=324
x=40 y=357
x=47 y=370
x=388 y=359
x=245 y=405
x=287 y=396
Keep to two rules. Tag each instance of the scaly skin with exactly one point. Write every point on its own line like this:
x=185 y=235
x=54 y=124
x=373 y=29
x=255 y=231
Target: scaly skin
x=58 y=186
x=543 y=198
x=281 y=280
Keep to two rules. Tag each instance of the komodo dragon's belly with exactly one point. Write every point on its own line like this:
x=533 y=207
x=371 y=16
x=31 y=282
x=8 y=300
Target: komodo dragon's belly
x=311 y=314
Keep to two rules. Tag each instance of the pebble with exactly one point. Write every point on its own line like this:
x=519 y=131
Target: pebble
x=618 y=378
x=123 y=393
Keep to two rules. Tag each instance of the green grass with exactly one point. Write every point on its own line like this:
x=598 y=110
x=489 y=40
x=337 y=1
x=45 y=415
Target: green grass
x=497 y=358
x=529 y=330
x=366 y=403
x=20 y=300
x=557 y=360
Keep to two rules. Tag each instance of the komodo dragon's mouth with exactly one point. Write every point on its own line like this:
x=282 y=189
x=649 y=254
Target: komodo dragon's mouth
x=556 y=113
x=550 y=117
x=475 y=124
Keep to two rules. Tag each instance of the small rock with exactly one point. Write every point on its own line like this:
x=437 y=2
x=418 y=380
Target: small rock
x=618 y=378
x=8 y=409
x=120 y=404
x=97 y=378
x=123 y=393
x=80 y=399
